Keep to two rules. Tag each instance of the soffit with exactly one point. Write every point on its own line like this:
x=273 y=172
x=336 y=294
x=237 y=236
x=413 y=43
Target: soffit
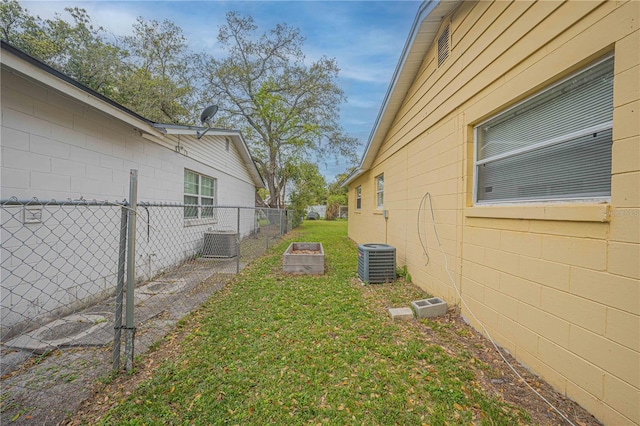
x=421 y=37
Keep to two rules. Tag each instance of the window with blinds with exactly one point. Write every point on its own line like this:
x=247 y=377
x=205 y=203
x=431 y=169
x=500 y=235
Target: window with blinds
x=199 y=196
x=555 y=145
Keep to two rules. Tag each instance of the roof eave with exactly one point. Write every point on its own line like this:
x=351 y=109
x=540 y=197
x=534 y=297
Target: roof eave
x=423 y=33
x=234 y=135
x=36 y=70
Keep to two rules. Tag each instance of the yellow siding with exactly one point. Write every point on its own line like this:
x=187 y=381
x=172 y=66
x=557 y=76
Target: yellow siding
x=557 y=285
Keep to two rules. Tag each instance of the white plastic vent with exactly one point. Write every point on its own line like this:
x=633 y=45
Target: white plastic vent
x=376 y=263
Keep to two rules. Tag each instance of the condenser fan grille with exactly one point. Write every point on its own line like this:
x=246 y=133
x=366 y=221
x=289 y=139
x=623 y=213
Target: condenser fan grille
x=376 y=263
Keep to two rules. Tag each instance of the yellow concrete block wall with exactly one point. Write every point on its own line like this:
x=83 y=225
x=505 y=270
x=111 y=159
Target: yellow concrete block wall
x=557 y=285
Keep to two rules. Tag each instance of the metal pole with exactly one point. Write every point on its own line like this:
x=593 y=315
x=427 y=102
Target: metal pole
x=286 y=221
x=120 y=288
x=281 y=222
x=238 y=243
x=268 y=226
x=131 y=269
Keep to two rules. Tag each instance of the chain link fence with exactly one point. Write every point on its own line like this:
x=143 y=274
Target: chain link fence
x=66 y=268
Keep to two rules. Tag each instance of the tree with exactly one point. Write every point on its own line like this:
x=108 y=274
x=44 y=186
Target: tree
x=286 y=109
x=147 y=72
x=337 y=195
x=84 y=52
x=309 y=187
x=78 y=49
x=15 y=22
x=156 y=82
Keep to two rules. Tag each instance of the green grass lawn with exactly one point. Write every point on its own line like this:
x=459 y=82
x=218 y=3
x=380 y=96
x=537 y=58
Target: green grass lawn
x=274 y=348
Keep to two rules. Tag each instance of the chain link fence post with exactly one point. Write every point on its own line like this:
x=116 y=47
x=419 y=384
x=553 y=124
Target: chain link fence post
x=122 y=252
x=238 y=242
x=286 y=221
x=267 y=227
x=131 y=270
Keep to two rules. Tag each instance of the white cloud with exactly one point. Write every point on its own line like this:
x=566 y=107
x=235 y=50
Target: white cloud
x=115 y=17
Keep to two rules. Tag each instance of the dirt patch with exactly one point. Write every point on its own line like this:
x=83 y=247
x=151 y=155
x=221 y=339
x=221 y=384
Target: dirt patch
x=304 y=252
x=106 y=396
x=498 y=379
x=454 y=335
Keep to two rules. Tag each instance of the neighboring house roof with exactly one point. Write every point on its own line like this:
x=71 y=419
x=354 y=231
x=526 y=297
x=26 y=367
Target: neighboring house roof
x=423 y=33
x=234 y=135
x=39 y=71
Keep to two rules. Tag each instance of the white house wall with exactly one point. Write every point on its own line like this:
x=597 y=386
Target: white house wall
x=54 y=147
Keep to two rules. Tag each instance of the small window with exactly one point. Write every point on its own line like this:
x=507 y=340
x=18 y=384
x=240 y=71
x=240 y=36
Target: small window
x=380 y=191
x=199 y=195
x=443 y=45
x=555 y=145
x=358 y=197
x=226 y=146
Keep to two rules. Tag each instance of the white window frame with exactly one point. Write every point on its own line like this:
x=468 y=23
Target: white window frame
x=201 y=216
x=359 y=197
x=553 y=141
x=379 y=191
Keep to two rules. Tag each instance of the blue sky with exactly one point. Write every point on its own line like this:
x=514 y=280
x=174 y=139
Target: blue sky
x=365 y=37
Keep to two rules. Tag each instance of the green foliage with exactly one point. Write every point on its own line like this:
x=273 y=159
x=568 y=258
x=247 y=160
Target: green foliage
x=287 y=110
x=156 y=82
x=77 y=49
x=309 y=187
x=403 y=272
x=146 y=72
x=337 y=196
x=333 y=205
x=288 y=349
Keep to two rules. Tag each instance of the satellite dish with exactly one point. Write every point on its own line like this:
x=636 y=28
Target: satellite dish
x=206 y=117
x=208 y=114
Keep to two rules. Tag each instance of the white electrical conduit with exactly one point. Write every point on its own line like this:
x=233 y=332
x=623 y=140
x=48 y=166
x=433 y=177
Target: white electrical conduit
x=446 y=264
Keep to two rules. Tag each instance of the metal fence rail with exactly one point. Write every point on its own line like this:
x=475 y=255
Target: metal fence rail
x=63 y=269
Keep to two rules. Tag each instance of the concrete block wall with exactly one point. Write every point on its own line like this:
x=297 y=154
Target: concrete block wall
x=558 y=285
x=54 y=147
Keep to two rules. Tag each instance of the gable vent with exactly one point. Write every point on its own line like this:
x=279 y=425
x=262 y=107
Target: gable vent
x=443 y=46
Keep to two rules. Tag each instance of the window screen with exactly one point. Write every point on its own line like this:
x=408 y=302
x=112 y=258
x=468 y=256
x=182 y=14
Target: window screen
x=200 y=192
x=554 y=145
x=380 y=191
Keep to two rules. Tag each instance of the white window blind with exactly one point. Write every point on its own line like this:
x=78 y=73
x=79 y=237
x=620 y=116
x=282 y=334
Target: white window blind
x=554 y=145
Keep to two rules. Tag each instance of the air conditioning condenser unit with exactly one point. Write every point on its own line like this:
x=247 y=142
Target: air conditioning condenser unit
x=376 y=263
x=220 y=244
